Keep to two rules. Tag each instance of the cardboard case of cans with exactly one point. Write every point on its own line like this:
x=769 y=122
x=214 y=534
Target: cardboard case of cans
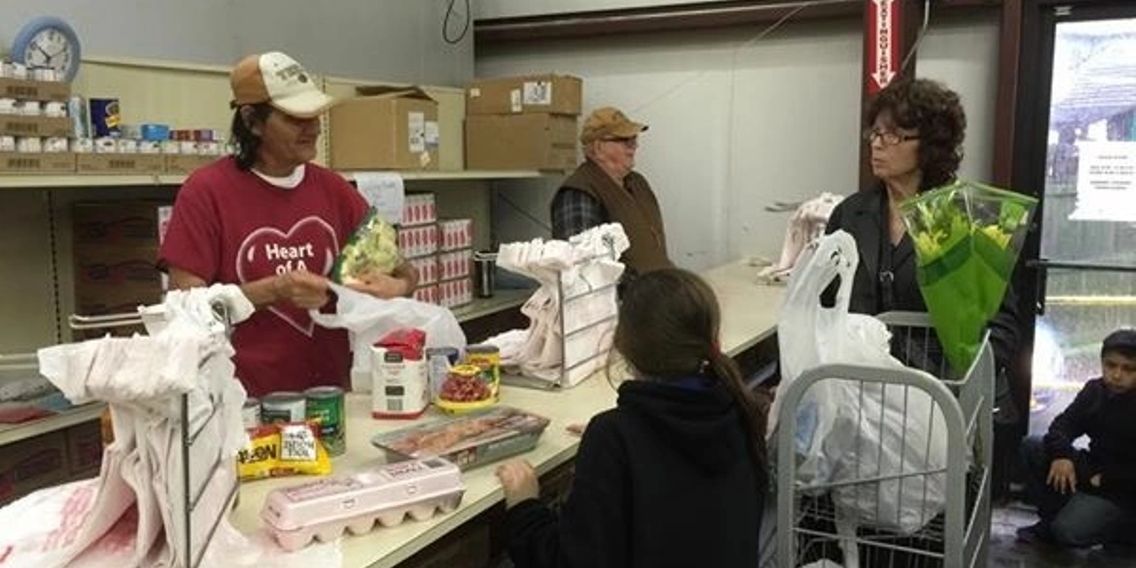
x=418 y=241
x=455 y=234
x=455 y=265
x=419 y=209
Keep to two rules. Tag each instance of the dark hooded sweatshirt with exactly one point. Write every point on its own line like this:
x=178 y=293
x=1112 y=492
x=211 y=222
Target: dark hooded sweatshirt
x=664 y=479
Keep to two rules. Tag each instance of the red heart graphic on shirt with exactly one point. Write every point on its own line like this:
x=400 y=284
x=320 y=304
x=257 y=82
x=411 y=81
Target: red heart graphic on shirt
x=310 y=245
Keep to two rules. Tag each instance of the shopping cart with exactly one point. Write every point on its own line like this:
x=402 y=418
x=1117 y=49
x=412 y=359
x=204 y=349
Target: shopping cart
x=811 y=526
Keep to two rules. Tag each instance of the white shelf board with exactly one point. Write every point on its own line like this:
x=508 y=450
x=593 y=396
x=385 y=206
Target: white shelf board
x=25 y=181
x=12 y=433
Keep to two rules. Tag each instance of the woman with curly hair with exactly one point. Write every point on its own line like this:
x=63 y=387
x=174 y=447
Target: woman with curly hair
x=915 y=129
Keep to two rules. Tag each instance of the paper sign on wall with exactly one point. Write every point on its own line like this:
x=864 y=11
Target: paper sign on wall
x=432 y=134
x=1106 y=182
x=385 y=192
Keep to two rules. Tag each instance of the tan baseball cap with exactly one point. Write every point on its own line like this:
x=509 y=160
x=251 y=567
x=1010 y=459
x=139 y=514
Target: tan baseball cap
x=279 y=80
x=609 y=122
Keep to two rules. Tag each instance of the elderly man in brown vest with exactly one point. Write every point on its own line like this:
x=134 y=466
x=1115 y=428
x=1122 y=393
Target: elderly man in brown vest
x=605 y=189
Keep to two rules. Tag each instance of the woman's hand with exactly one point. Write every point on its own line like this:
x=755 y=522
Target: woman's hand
x=302 y=289
x=380 y=286
x=519 y=481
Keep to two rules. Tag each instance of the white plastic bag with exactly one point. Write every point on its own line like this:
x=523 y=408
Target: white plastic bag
x=847 y=430
x=368 y=318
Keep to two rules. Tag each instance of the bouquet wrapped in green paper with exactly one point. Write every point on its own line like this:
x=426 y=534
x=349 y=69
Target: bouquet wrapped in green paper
x=967 y=237
x=372 y=249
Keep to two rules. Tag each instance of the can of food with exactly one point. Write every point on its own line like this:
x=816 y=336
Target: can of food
x=438 y=361
x=55 y=145
x=8 y=106
x=7 y=143
x=82 y=145
x=171 y=147
x=106 y=145
x=77 y=110
x=105 y=117
x=488 y=358
x=282 y=407
x=250 y=412
x=29 y=144
x=188 y=147
x=149 y=147
x=325 y=406
x=30 y=108
x=203 y=135
x=127 y=146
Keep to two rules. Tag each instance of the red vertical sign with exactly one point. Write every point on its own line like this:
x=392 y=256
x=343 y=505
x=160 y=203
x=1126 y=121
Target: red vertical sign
x=883 y=43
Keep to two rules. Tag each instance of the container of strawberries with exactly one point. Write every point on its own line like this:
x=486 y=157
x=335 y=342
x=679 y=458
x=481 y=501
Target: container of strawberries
x=468 y=388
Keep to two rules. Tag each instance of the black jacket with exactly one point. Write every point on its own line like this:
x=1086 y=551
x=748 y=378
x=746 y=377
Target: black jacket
x=863 y=215
x=1109 y=420
x=664 y=479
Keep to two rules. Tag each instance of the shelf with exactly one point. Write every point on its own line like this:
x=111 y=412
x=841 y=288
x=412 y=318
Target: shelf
x=11 y=433
x=26 y=181
x=502 y=300
x=469 y=174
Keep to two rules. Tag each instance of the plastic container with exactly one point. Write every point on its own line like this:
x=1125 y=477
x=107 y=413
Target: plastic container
x=468 y=388
x=467 y=441
x=323 y=509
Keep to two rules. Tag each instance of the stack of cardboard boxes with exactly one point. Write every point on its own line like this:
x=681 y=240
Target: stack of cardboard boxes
x=115 y=251
x=50 y=459
x=523 y=123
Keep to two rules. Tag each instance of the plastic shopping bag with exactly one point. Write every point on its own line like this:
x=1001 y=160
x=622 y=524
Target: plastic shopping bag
x=368 y=318
x=848 y=430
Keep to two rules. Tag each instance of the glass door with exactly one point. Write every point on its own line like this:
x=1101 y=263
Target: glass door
x=1088 y=222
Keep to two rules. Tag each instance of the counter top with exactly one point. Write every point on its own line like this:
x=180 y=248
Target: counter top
x=749 y=315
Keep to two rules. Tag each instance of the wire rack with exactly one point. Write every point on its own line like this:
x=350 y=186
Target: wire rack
x=189 y=509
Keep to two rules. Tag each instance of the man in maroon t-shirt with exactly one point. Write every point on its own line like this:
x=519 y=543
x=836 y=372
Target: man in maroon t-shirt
x=272 y=222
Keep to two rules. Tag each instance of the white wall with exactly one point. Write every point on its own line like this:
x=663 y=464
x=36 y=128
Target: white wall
x=486 y=9
x=726 y=140
x=397 y=40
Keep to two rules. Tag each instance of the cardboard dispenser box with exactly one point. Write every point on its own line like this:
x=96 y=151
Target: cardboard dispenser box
x=556 y=94
x=385 y=128
x=521 y=142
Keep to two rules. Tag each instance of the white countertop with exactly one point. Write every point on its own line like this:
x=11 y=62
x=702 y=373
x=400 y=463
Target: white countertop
x=749 y=314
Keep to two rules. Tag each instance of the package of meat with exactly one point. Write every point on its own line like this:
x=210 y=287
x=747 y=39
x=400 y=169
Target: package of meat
x=469 y=440
x=386 y=494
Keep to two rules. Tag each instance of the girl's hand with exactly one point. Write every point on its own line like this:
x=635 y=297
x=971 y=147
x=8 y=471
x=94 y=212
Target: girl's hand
x=519 y=481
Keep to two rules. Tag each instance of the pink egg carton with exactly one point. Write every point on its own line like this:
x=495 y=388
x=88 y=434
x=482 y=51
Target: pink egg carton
x=323 y=509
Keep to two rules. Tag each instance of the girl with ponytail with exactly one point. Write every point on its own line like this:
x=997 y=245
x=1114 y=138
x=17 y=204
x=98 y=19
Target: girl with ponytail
x=676 y=474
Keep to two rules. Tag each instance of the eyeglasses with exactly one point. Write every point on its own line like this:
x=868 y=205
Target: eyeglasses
x=630 y=142
x=887 y=137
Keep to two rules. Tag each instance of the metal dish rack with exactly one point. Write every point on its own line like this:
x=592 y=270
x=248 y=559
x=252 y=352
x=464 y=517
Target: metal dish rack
x=565 y=300
x=188 y=509
x=959 y=536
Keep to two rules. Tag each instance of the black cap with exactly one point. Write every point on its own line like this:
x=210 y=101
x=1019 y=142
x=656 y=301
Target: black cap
x=1122 y=341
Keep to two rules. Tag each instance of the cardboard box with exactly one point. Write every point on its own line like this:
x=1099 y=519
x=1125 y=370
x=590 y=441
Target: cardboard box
x=427 y=294
x=42 y=126
x=186 y=163
x=38 y=163
x=28 y=90
x=521 y=142
x=118 y=224
x=385 y=128
x=121 y=164
x=84 y=449
x=32 y=464
x=557 y=94
x=455 y=234
x=427 y=267
x=451 y=123
x=116 y=276
x=454 y=265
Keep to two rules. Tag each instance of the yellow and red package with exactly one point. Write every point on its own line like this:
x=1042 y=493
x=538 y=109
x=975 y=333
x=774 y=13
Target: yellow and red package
x=280 y=450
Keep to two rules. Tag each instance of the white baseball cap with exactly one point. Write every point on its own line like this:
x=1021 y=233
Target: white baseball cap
x=281 y=81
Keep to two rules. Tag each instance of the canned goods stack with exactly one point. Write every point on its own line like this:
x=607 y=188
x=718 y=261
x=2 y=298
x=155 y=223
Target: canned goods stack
x=34 y=111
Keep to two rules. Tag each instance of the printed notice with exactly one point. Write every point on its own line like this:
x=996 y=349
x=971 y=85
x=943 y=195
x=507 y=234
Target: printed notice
x=1106 y=182
x=538 y=93
x=385 y=192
